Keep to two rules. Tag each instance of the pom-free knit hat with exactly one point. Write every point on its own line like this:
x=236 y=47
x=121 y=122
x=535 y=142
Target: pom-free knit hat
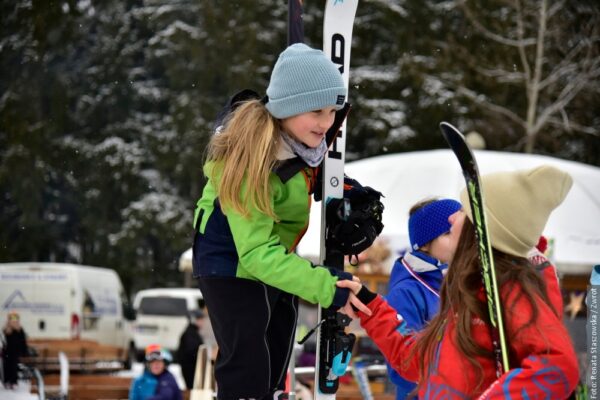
x=304 y=80
x=518 y=204
x=430 y=221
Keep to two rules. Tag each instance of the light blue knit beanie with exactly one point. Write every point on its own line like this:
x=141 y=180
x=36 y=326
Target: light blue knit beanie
x=304 y=80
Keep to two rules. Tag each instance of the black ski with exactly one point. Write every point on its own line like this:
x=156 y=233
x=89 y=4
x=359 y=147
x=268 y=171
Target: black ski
x=334 y=345
x=470 y=171
x=295 y=23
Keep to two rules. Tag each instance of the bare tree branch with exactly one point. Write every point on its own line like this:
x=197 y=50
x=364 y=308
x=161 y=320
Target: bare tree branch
x=491 y=35
x=570 y=91
x=536 y=78
x=556 y=7
x=481 y=100
x=565 y=97
x=521 y=48
x=573 y=126
x=566 y=65
x=502 y=75
x=565 y=119
x=557 y=74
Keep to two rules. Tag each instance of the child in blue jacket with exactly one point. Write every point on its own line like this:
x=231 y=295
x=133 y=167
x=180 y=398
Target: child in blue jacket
x=156 y=383
x=416 y=277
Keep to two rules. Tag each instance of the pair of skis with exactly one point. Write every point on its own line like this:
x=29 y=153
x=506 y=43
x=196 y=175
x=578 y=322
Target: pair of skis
x=334 y=345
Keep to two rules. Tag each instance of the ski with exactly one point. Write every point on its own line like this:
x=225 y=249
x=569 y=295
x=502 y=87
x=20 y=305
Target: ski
x=470 y=171
x=295 y=34
x=295 y=24
x=334 y=345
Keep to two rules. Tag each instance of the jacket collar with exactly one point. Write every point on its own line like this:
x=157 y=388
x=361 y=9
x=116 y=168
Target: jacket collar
x=421 y=262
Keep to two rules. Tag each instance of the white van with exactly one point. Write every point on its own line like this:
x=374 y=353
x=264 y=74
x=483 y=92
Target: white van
x=65 y=301
x=161 y=317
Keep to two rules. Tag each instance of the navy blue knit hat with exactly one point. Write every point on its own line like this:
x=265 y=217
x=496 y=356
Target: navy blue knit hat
x=430 y=221
x=304 y=80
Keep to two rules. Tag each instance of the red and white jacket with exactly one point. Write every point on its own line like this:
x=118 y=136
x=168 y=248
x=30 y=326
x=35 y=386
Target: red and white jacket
x=542 y=359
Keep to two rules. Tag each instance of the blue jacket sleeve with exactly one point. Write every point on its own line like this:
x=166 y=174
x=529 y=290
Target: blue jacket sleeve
x=410 y=302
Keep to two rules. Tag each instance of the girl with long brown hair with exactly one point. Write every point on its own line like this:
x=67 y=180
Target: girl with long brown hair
x=452 y=357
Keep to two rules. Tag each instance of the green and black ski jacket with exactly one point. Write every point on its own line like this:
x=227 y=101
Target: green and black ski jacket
x=258 y=248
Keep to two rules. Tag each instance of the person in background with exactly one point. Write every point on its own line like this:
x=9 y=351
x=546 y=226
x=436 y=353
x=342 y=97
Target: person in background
x=190 y=340
x=14 y=347
x=416 y=277
x=156 y=382
x=454 y=354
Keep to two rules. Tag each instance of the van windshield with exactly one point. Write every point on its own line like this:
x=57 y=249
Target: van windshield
x=163 y=306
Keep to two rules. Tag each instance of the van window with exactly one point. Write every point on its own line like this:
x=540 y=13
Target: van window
x=163 y=306
x=201 y=304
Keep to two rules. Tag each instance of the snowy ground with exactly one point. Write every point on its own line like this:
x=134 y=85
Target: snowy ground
x=19 y=393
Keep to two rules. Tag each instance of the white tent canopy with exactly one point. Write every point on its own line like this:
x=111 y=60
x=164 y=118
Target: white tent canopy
x=405 y=178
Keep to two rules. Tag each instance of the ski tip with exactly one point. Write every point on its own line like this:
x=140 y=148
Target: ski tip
x=450 y=131
x=448 y=127
x=459 y=146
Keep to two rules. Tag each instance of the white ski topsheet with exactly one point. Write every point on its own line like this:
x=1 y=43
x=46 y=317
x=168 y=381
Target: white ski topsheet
x=337 y=40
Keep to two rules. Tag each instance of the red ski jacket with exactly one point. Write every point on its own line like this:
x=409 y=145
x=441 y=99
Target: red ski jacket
x=542 y=359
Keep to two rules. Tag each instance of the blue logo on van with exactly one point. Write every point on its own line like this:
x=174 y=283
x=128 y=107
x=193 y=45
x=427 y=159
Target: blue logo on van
x=17 y=302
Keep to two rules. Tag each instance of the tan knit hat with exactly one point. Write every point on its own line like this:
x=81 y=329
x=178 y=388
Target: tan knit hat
x=518 y=204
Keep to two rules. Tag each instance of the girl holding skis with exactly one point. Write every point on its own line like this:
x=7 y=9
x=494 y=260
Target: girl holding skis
x=453 y=356
x=261 y=169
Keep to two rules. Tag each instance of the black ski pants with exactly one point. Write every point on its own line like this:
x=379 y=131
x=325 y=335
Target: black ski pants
x=254 y=325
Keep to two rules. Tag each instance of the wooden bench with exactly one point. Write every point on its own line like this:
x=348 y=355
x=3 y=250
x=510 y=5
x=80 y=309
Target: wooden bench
x=93 y=387
x=83 y=355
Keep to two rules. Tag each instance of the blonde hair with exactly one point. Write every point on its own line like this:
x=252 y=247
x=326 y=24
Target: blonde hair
x=245 y=151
